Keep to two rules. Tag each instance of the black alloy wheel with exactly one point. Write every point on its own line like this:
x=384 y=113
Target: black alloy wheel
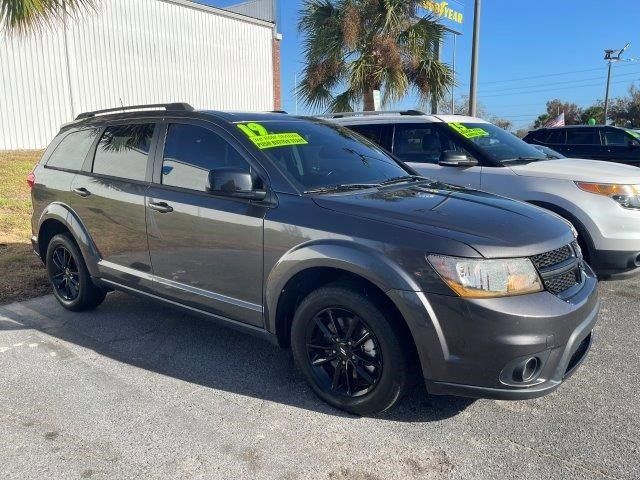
x=349 y=345
x=66 y=278
x=345 y=354
x=68 y=274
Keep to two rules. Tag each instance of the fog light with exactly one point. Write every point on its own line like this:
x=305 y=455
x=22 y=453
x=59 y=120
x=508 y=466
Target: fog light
x=526 y=370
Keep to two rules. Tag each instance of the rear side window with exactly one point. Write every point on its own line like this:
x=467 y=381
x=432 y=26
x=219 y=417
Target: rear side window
x=72 y=151
x=555 y=137
x=379 y=134
x=191 y=151
x=583 y=136
x=123 y=151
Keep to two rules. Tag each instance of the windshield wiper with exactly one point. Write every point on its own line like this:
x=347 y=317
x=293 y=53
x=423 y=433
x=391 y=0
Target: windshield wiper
x=343 y=187
x=524 y=159
x=405 y=178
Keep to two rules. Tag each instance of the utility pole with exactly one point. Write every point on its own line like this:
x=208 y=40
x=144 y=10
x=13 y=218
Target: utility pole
x=611 y=55
x=474 y=60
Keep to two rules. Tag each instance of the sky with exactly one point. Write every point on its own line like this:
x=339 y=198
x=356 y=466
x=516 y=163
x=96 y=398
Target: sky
x=530 y=52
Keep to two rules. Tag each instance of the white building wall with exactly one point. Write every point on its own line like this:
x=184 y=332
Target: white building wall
x=132 y=52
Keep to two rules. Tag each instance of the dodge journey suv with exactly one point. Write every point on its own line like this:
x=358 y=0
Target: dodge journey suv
x=601 y=200
x=306 y=233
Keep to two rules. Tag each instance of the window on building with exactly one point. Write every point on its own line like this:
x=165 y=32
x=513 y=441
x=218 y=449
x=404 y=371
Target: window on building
x=72 y=151
x=190 y=152
x=123 y=151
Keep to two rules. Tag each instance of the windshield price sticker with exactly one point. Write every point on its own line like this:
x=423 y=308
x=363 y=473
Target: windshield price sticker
x=262 y=139
x=468 y=132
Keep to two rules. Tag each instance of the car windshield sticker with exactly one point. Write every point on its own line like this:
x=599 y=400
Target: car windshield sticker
x=468 y=132
x=262 y=139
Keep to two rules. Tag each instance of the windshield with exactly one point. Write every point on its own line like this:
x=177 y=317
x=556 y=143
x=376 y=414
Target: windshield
x=314 y=155
x=497 y=144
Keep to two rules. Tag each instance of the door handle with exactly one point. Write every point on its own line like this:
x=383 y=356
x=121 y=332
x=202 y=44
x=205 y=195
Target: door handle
x=81 y=191
x=161 y=207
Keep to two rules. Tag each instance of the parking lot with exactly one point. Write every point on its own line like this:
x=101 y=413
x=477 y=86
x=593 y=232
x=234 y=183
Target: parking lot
x=134 y=389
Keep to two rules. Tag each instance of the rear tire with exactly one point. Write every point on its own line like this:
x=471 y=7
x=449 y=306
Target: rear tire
x=69 y=277
x=348 y=351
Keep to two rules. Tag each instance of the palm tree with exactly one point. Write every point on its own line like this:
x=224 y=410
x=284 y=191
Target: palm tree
x=358 y=46
x=22 y=16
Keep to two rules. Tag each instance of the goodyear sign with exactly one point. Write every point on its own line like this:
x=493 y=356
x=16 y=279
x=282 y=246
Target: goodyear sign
x=450 y=14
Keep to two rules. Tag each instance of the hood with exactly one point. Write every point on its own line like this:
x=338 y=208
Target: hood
x=580 y=170
x=494 y=226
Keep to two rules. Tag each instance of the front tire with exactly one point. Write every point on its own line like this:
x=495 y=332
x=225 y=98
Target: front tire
x=348 y=351
x=69 y=277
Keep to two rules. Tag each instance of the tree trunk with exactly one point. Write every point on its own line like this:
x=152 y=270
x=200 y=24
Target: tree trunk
x=368 y=100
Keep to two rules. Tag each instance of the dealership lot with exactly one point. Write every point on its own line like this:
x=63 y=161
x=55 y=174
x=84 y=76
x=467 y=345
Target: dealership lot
x=134 y=389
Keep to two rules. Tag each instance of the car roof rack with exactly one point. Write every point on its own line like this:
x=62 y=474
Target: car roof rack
x=278 y=111
x=169 y=107
x=373 y=112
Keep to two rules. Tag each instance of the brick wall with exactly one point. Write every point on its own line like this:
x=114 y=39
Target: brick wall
x=277 y=90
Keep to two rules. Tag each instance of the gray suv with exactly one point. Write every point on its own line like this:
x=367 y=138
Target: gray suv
x=306 y=233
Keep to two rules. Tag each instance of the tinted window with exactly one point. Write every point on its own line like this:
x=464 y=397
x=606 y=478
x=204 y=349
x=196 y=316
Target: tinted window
x=583 y=136
x=422 y=144
x=494 y=142
x=555 y=137
x=315 y=155
x=379 y=134
x=616 y=137
x=73 y=149
x=191 y=151
x=123 y=151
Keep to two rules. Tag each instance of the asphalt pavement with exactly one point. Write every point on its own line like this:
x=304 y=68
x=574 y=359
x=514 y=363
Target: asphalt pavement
x=137 y=390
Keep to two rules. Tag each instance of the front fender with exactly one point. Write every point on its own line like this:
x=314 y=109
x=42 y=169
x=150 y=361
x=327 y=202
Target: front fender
x=64 y=214
x=343 y=255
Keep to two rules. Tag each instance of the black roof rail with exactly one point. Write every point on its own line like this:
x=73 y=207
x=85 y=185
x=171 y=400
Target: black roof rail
x=169 y=107
x=373 y=112
x=278 y=111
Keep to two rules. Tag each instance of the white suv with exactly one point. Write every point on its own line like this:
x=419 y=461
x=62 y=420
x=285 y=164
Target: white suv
x=601 y=199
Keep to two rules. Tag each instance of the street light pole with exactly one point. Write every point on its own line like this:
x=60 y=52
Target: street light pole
x=474 y=60
x=611 y=55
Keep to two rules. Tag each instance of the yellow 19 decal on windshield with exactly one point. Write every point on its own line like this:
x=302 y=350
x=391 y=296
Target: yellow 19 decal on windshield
x=262 y=139
x=468 y=132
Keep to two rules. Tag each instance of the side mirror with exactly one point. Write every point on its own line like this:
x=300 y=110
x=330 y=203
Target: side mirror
x=634 y=144
x=233 y=182
x=451 y=158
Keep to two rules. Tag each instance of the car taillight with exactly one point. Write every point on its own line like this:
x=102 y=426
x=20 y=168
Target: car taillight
x=31 y=179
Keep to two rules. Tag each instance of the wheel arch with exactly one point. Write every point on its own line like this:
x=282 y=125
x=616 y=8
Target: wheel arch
x=59 y=218
x=307 y=268
x=583 y=232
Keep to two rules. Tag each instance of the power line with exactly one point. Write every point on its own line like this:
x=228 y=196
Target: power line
x=550 y=89
x=620 y=65
x=564 y=82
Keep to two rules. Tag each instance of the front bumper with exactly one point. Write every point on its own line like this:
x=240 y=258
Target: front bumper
x=469 y=347
x=616 y=264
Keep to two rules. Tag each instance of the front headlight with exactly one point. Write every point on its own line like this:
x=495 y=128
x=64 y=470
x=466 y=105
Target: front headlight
x=487 y=278
x=627 y=196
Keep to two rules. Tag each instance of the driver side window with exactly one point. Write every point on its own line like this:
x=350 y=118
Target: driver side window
x=422 y=143
x=190 y=152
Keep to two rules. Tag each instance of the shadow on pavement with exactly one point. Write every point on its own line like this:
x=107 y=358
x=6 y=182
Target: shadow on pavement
x=166 y=341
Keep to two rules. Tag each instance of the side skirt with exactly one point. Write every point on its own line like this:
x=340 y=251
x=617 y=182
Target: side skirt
x=218 y=319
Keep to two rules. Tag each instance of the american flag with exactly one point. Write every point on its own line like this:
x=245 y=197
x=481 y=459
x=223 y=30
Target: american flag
x=556 y=122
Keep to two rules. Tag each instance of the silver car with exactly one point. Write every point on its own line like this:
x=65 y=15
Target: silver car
x=601 y=199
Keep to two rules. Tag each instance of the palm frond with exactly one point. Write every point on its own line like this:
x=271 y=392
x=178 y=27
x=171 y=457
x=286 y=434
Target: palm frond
x=23 y=16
